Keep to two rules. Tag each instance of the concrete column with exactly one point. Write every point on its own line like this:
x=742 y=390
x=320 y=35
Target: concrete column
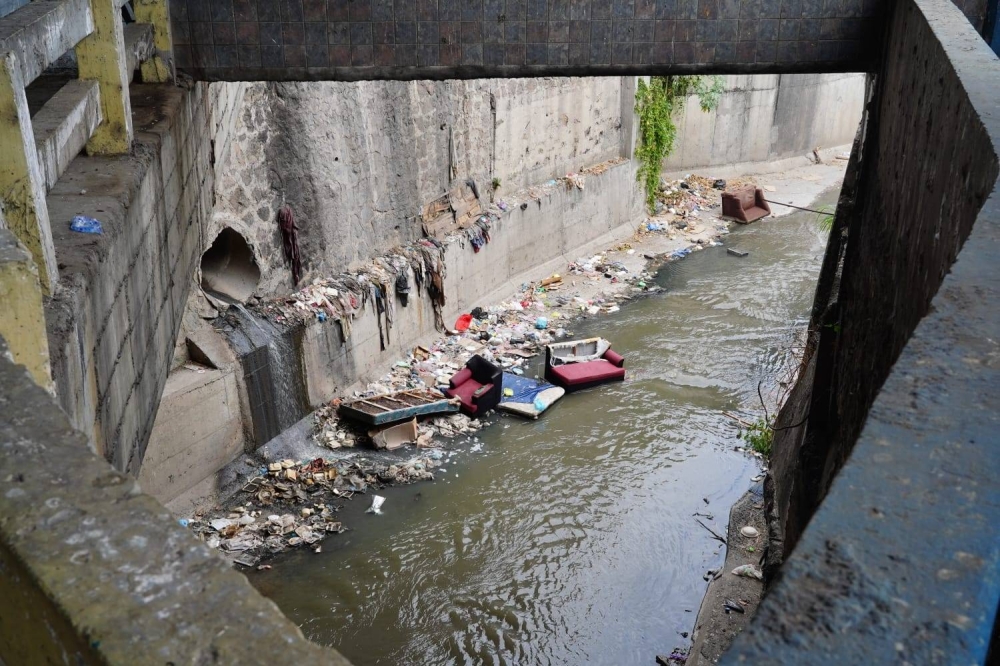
x=630 y=128
x=159 y=68
x=22 y=320
x=101 y=57
x=22 y=185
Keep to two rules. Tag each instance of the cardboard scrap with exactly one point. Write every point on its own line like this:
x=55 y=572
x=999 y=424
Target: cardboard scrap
x=393 y=437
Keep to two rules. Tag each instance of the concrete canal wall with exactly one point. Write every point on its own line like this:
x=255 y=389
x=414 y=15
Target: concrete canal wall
x=357 y=162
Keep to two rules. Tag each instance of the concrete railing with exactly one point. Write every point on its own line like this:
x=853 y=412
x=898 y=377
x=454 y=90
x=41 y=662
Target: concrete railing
x=94 y=572
x=95 y=113
x=901 y=561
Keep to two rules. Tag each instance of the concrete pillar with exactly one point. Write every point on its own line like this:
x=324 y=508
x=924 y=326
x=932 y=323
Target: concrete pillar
x=630 y=128
x=22 y=320
x=22 y=185
x=159 y=68
x=101 y=57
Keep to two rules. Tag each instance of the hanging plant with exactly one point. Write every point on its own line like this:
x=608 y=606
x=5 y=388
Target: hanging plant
x=656 y=102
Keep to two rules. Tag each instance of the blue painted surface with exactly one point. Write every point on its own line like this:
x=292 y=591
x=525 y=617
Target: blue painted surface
x=992 y=28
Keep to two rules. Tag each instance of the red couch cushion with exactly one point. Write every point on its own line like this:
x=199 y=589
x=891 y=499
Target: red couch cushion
x=754 y=213
x=464 y=393
x=614 y=358
x=460 y=377
x=572 y=374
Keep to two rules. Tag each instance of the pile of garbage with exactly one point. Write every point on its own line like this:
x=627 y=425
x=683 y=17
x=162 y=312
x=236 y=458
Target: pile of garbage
x=290 y=503
x=382 y=283
x=509 y=335
x=691 y=195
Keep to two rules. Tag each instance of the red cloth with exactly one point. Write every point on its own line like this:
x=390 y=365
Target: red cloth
x=600 y=370
x=463 y=322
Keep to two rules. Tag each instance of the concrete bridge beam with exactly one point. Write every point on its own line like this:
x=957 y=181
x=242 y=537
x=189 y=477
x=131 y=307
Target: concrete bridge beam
x=23 y=323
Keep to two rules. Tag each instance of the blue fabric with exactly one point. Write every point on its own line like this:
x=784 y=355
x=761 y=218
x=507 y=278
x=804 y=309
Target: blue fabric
x=525 y=390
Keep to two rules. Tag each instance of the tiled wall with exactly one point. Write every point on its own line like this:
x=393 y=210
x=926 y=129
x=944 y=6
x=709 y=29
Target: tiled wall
x=302 y=39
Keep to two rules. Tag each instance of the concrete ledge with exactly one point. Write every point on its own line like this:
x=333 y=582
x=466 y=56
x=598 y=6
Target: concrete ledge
x=63 y=126
x=40 y=32
x=100 y=573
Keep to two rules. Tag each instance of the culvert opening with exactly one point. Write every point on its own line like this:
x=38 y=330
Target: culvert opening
x=228 y=268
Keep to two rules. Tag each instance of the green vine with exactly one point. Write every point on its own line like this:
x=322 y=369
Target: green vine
x=656 y=102
x=759 y=435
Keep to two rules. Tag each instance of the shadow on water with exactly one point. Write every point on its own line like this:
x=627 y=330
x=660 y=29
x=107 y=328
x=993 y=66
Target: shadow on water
x=572 y=538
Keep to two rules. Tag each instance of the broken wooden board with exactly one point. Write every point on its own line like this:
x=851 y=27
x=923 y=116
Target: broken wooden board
x=456 y=210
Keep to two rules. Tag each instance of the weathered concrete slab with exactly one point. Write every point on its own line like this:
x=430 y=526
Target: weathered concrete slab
x=97 y=572
x=198 y=430
x=63 y=126
x=112 y=326
x=40 y=32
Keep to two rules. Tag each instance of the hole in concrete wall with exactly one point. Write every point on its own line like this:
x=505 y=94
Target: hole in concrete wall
x=228 y=268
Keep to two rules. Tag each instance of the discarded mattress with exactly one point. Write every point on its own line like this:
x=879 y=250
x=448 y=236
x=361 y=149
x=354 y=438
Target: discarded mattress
x=399 y=406
x=580 y=364
x=528 y=397
x=577 y=351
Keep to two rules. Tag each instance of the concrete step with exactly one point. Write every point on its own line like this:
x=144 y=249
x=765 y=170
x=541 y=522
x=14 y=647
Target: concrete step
x=63 y=126
x=40 y=32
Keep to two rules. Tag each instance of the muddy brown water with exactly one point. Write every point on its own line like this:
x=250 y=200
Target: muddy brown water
x=572 y=539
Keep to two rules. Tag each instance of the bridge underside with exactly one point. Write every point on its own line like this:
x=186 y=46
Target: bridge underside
x=465 y=39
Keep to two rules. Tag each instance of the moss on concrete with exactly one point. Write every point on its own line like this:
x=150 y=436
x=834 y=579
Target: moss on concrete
x=22 y=322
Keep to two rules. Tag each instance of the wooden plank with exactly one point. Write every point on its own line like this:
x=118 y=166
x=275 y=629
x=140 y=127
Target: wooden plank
x=435 y=209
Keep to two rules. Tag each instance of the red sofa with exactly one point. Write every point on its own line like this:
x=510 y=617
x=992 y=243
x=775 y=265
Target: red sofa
x=576 y=376
x=478 y=386
x=745 y=205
